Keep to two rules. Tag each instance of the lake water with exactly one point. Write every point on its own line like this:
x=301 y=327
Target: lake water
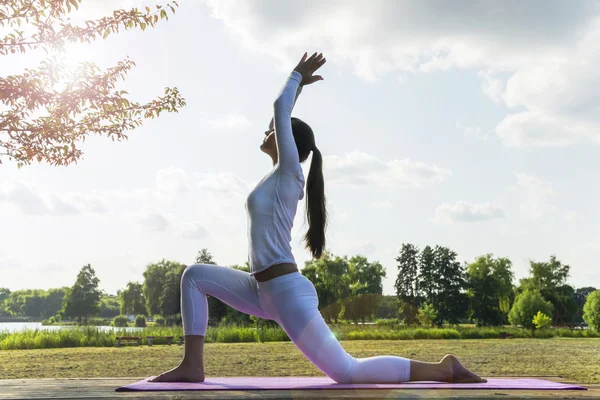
x=21 y=326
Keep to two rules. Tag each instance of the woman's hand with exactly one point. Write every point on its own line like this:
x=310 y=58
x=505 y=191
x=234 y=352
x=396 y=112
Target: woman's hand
x=307 y=67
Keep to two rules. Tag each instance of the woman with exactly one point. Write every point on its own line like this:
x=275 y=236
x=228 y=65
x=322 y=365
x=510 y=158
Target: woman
x=275 y=289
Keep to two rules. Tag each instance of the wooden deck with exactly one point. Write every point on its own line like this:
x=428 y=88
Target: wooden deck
x=104 y=388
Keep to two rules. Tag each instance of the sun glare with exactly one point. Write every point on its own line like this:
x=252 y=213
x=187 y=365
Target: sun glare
x=72 y=57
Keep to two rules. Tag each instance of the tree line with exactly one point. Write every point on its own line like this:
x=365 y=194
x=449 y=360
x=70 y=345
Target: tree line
x=432 y=288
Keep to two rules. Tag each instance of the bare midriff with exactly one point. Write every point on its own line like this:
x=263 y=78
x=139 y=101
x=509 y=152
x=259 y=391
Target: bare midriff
x=274 y=271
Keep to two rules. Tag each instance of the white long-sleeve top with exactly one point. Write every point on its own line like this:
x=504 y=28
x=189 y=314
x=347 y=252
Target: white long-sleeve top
x=271 y=206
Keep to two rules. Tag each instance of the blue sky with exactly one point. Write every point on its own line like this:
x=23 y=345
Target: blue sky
x=474 y=126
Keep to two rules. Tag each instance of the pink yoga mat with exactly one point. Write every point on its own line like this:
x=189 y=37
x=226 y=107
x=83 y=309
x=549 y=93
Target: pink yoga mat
x=295 y=383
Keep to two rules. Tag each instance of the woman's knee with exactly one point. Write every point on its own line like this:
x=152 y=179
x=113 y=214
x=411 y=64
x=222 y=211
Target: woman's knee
x=341 y=377
x=194 y=271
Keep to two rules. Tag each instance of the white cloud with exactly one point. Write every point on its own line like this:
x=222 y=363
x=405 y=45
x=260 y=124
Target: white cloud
x=63 y=207
x=462 y=211
x=552 y=54
x=230 y=123
x=26 y=199
x=471 y=131
x=172 y=181
x=537 y=194
x=8 y=263
x=571 y=219
x=151 y=218
x=353 y=248
x=30 y=201
x=460 y=34
x=362 y=169
x=224 y=183
x=192 y=231
x=382 y=204
x=491 y=87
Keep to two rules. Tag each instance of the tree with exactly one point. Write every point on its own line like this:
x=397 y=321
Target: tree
x=546 y=275
x=162 y=287
x=53 y=301
x=110 y=306
x=339 y=280
x=132 y=300
x=408 y=268
x=580 y=297
x=50 y=110
x=204 y=257
x=591 y=311
x=428 y=276
x=541 y=321
x=364 y=277
x=427 y=314
x=450 y=301
x=83 y=299
x=526 y=306
x=154 y=281
x=407 y=283
x=490 y=286
x=4 y=293
x=550 y=279
x=327 y=275
x=170 y=297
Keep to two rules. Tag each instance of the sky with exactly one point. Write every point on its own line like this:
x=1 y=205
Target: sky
x=473 y=125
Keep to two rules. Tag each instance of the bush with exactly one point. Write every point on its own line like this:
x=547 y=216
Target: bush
x=97 y=322
x=140 y=321
x=591 y=310
x=541 y=320
x=120 y=321
x=159 y=321
x=526 y=306
x=426 y=315
x=238 y=334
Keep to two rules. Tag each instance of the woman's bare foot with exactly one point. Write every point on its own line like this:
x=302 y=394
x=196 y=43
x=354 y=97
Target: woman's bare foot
x=457 y=373
x=181 y=373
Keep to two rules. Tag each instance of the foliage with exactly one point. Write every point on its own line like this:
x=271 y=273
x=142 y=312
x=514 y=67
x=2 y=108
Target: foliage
x=51 y=109
x=94 y=337
x=120 y=321
x=161 y=288
x=526 y=306
x=33 y=303
x=407 y=284
x=541 y=320
x=140 y=321
x=204 y=257
x=490 y=288
x=427 y=314
x=592 y=310
x=83 y=299
x=109 y=307
x=549 y=278
x=132 y=299
x=341 y=284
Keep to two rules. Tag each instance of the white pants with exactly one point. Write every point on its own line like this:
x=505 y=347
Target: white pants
x=290 y=300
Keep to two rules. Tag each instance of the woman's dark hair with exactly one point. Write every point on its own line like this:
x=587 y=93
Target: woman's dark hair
x=315 y=187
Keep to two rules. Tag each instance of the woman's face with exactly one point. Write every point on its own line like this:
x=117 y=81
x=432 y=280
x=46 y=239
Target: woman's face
x=268 y=145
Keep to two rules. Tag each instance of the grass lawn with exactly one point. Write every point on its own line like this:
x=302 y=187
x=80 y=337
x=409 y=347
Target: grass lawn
x=571 y=358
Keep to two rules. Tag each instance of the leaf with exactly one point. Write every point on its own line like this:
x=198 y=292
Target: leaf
x=163 y=14
x=143 y=26
x=147 y=9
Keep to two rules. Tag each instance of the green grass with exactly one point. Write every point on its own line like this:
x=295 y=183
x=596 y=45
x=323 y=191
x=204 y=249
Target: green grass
x=92 y=337
x=572 y=358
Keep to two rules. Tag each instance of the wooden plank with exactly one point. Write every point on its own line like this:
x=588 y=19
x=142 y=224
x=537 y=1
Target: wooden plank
x=104 y=388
